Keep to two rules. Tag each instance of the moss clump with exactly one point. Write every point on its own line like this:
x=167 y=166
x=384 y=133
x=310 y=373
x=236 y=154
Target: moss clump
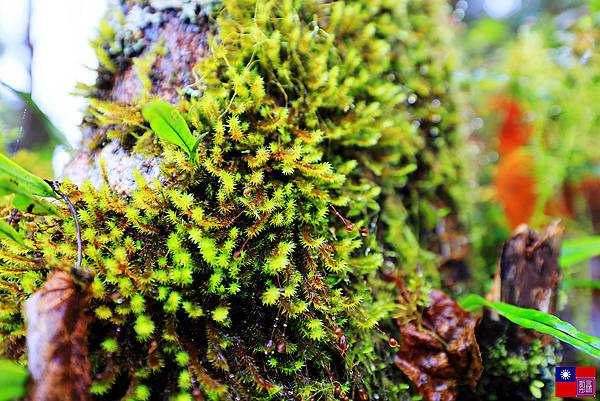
x=329 y=153
x=516 y=375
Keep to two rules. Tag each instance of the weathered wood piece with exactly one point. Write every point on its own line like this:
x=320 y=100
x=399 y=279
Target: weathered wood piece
x=57 y=341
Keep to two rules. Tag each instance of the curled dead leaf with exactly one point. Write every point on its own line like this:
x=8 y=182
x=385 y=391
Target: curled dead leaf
x=57 y=341
x=440 y=352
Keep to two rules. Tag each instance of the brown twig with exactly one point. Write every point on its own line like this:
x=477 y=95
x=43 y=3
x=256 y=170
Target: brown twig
x=54 y=186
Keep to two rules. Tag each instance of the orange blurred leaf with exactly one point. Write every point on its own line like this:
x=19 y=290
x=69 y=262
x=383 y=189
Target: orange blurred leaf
x=515 y=187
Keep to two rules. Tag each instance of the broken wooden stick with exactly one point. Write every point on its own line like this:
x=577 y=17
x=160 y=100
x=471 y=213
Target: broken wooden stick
x=528 y=276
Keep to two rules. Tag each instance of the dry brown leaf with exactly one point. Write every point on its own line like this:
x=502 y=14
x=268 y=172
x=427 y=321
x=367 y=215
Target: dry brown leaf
x=57 y=341
x=440 y=352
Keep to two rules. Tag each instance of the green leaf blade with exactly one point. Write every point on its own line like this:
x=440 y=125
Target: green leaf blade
x=8 y=231
x=31 y=205
x=56 y=134
x=169 y=124
x=23 y=199
x=472 y=302
x=13 y=380
x=592 y=348
x=28 y=182
x=581 y=283
x=578 y=250
x=540 y=321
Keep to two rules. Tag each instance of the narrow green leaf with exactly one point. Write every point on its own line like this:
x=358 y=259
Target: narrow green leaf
x=29 y=204
x=56 y=134
x=577 y=250
x=23 y=199
x=581 y=283
x=13 y=380
x=18 y=176
x=539 y=321
x=8 y=231
x=472 y=302
x=168 y=124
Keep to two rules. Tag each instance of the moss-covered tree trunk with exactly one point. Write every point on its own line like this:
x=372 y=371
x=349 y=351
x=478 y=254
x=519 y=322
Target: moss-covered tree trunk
x=277 y=256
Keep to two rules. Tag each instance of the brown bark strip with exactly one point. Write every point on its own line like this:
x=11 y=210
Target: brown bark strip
x=440 y=352
x=57 y=341
x=529 y=276
x=529 y=272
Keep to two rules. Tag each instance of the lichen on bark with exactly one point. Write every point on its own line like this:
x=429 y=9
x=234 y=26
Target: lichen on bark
x=330 y=151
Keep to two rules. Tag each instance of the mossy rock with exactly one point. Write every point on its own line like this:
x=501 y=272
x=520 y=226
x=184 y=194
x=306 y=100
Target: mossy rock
x=330 y=152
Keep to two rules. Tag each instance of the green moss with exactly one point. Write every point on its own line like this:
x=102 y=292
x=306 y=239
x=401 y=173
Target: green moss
x=526 y=376
x=330 y=154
